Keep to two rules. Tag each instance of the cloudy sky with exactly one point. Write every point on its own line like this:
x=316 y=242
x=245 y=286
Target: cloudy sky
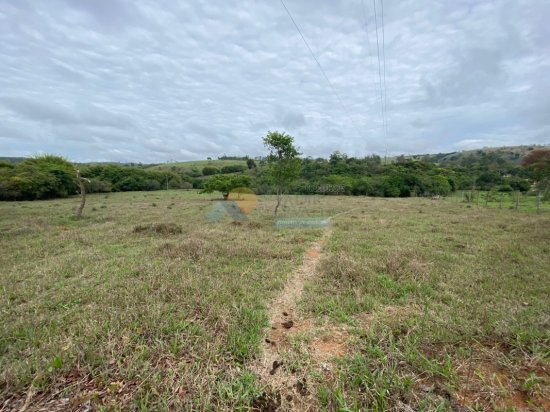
x=152 y=81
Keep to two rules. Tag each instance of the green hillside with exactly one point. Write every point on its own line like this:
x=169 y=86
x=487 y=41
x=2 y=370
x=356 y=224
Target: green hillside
x=513 y=154
x=12 y=159
x=198 y=164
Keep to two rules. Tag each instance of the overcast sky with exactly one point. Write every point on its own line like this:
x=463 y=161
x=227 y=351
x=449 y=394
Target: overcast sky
x=153 y=81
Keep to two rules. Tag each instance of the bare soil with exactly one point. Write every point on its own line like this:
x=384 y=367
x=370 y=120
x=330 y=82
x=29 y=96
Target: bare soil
x=288 y=390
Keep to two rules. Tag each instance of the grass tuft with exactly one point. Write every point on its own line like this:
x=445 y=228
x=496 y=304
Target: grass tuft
x=159 y=228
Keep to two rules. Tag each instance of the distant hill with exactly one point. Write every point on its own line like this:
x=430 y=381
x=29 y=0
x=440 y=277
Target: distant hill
x=12 y=159
x=513 y=154
x=198 y=164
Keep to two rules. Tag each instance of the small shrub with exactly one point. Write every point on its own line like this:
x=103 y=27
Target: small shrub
x=210 y=170
x=233 y=169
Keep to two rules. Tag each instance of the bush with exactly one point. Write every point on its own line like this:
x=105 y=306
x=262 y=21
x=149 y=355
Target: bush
x=194 y=172
x=210 y=170
x=151 y=184
x=361 y=187
x=42 y=177
x=233 y=169
x=436 y=185
x=197 y=183
x=505 y=188
x=517 y=183
x=250 y=163
x=97 y=186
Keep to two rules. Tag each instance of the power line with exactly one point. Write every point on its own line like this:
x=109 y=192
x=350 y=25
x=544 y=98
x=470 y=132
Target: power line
x=382 y=92
x=384 y=73
x=366 y=25
x=319 y=65
x=366 y=30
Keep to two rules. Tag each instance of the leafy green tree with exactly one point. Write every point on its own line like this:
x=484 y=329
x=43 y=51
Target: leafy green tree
x=488 y=180
x=517 y=183
x=538 y=163
x=225 y=184
x=283 y=162
x=437 y=185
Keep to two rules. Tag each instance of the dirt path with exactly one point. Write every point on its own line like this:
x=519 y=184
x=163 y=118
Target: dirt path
x=286 y=391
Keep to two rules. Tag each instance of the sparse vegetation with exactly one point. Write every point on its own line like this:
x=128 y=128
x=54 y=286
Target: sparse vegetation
x=283 y=163
x=127 y=309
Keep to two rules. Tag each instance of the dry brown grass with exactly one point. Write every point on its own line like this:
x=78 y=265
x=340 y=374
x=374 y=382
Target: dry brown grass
x=159 y=229
x=405 y=264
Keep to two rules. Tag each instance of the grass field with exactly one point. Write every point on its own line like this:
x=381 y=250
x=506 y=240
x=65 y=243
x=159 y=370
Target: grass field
x=146 y=304
x=508 y=200
x=199 y=164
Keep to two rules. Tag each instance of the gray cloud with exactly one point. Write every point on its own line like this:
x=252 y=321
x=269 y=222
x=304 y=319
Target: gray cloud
x=152 y=80
x=289 y=119
x=50 y=111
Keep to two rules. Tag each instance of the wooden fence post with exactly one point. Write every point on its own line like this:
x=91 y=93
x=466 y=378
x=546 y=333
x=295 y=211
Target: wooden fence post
x=81 y=181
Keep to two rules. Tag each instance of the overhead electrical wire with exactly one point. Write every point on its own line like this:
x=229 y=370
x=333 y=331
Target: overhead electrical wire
x=384 y=71
x=319 y=65
x=382 y=88
x=366 y=30
x=366 y=24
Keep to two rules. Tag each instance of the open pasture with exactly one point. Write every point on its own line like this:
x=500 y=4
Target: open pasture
x=146 y=304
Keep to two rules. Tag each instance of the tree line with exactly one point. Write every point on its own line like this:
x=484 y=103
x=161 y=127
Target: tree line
x=49 y=176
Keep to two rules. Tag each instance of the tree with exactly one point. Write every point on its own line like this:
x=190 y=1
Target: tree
x=225 y=184
x=283 y=163
x=538 y=162
x=250 y=163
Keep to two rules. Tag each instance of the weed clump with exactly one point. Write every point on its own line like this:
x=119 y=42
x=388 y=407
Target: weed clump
x=343 y=269
x=405 y=264
x=191 y=248
x=159 y=228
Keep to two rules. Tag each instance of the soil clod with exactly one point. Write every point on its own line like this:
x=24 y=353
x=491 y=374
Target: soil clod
x=288 y=324
x=276 y=365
